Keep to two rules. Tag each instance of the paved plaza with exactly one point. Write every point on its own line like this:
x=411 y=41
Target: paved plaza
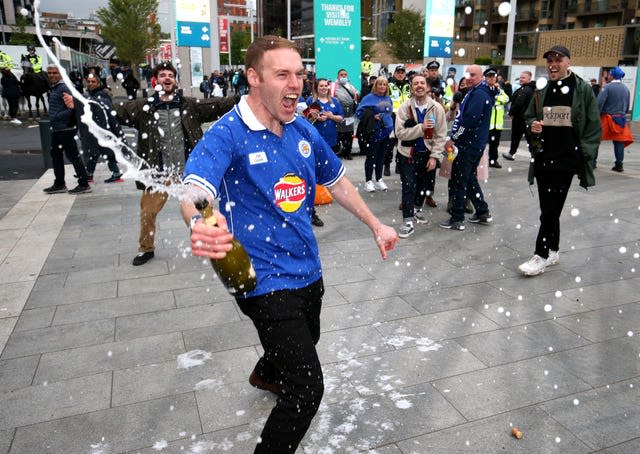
x=443 y=348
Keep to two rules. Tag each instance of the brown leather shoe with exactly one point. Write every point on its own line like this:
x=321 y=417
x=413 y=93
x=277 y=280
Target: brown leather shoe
x=257 y=382
x=430 y=202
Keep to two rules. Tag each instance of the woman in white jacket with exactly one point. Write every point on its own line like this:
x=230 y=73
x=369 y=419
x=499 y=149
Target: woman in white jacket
x=421 y=129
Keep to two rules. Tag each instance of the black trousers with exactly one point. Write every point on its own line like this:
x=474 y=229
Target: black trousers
x=552 y=193
x=288 y=324
x=518 y=128
x=414 y=176
x=345 y=139
x=63 y=143
x=494 y=141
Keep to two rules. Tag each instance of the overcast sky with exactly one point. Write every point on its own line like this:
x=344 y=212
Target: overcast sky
x=80 y=9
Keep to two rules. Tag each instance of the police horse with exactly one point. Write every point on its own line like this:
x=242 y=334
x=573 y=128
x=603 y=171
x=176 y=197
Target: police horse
x=33 y=84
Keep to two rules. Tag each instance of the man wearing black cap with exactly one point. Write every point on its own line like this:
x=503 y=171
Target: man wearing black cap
x=565 y=135
x=437 y=84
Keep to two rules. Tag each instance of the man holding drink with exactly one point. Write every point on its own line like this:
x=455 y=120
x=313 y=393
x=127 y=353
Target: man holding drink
x=421 y=129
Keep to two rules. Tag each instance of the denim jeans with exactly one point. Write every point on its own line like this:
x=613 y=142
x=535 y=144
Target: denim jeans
x=464 y=184
x=288 y=324
x=618 y=151
x=63 y=143
x=376 y=153
x=414 y=175
x=92 y=158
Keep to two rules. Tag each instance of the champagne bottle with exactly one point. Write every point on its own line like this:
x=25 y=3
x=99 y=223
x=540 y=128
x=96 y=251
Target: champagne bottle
x=235 y=269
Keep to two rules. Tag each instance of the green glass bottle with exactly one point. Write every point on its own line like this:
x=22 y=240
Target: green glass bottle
x=235 y=269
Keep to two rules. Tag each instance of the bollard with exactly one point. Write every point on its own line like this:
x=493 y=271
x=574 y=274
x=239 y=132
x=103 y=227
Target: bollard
x=45 y=143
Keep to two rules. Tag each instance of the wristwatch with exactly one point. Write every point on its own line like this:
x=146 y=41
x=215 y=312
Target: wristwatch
x=195 y=218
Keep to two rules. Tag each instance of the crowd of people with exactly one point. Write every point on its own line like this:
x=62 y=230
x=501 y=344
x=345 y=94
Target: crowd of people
x=282 y=132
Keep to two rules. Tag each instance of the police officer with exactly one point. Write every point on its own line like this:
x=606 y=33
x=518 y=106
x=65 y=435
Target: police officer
x=5 y=61
x=399 y=91
x=438 y=85
x=366 y=66
x=34 y=59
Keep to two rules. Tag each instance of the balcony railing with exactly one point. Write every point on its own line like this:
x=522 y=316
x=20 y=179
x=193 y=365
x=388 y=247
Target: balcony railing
x=597 y=7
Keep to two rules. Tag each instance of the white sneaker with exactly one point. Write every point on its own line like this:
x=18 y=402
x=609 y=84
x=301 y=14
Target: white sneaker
x=534 y=266
x=380 y=185
x=554 y=258
x=15 y=121
x=369 y=186
x=419 y=217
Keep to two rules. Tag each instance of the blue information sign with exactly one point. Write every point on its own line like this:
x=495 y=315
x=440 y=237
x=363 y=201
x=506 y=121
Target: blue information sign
x=193 y=34
x=438 y=29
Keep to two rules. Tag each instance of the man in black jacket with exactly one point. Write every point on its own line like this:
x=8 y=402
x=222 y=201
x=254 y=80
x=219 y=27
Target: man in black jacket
x=519 y=103
x=101 y=115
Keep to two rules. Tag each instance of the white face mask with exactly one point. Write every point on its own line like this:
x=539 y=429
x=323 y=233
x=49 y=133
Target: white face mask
x=344 y=80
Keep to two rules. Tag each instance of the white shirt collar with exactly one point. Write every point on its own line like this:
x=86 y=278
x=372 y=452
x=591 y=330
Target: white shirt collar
x=249 y=118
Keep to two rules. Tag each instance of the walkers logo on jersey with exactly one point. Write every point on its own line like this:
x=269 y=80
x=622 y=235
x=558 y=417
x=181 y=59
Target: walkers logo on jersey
x=290 y=191
x=304 y=148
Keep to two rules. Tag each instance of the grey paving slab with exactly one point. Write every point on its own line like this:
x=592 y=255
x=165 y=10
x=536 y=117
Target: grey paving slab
x=113 y=307
x=364 y=313
x=234 y=404
x=175 y=281
x=615 y=293
x=24 y=343
x=53 y=266
x=379 y=419
x=17 y=373
x=526 y=308
x=441 y=325
x=351 y=343
x=604 y=362
x=112 y=430
x=117 y=273
x=35 y=318
x=165 y=379
x=605 y=323
x=411 y=366
x=520 y=342
x=630 y=447
x=13 y=297
x=166 y=321
x=602 y=417
x=72 y=294
x=39 y=403
x=212 y=294
x=6 y=436
x=541 y=434
x=77 y=362
x=50 y=282
x=381 y=287
x=223 y=336
x=487 y=392
x=439 y=300
x=554 y=279
x=237 y=440
x=343 y=275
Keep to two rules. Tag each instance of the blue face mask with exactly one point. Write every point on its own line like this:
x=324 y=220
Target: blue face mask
x=344 y=80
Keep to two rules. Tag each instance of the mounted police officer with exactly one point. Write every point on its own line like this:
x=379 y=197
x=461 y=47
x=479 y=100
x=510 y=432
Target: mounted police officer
x=34 y=59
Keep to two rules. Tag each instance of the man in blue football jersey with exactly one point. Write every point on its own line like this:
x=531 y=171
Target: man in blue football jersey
x=264 y=163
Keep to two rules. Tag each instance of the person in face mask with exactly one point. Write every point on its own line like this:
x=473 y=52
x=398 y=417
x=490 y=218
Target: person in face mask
x=347 y=95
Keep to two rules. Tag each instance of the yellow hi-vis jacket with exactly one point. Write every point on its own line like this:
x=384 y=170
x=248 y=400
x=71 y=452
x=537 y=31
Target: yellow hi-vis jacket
x=497 y=113
x=399 y=95
x=366 y=67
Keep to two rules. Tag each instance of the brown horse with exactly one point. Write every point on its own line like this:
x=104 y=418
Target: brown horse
x=33 y=84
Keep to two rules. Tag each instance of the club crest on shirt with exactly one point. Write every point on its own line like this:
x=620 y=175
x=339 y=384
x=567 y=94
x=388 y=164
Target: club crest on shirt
x=290 y=191
x=304 y=148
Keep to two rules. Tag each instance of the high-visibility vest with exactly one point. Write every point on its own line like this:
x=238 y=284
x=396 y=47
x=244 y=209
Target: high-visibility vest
x=497 y=113
x=5 y=61
x=399 y=95
x=36 y=63
x=366 y=67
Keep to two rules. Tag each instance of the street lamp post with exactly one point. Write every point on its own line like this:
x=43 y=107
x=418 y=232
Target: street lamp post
x=511 y=25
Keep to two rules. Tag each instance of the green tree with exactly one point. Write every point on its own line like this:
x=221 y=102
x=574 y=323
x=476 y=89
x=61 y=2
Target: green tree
x=405 y=35
x=240 y=40
x=18 y=35
x=126 y=23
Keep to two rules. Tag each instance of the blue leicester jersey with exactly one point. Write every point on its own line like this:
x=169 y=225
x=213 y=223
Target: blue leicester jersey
x=266 y=186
